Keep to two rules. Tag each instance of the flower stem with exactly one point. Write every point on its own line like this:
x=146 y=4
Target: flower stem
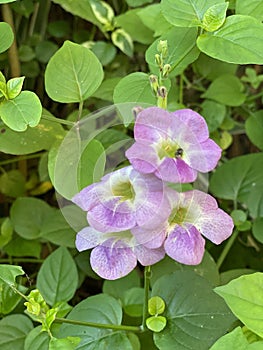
x=99 y=325
x=18 y=159
x=147 y=277
x=58 y=120
x=227 y=248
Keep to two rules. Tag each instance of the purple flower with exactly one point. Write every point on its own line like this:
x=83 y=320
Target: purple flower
x=114 y=255
x=124 y=199
x=173 y=146
x=192 y=215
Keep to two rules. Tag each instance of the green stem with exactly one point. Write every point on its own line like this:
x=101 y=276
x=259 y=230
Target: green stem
x=80 y=110
x=25 y=260
x=18 y=159
x=147 y=277
x=254 y=97
x=99 y=325
x=227 y=248
x=58 y=120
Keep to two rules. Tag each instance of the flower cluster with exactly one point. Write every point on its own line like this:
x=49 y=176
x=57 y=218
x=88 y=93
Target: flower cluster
x=134 y=216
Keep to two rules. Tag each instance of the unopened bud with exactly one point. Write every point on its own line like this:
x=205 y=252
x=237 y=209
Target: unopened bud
x=166 y=70
x=154 y=83
x=162 y=97
x=162 y=48
x=136 y=110
x=158 y=60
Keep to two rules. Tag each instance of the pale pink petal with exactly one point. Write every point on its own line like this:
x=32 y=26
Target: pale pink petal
x=148 y=257
x=88 y=238
x=143 y=158
x=88 y=197
x=185 y=245
x=112 y=262
x=204 y=156
x=175 y=170
x=216 y=225
x=152 y=239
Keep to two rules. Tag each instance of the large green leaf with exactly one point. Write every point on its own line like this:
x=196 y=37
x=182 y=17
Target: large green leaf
x=73 y=73
x=239 y=40
x=241 y=179
x=196 y=316
x=37 y=340
x=57 y=279
x=254 y=129
x=9 y=298
x=101 y=308
x=226 y=89
x=182 y=49
x=244 y=297
x=6 y=36
x=13 y=331
x=19 y=246
x=251 y=8
x=186 y=13
x=135 y=87
x=8 y=274
x=234 y=340
x=152 y=17
x=33 y=139
x=22 y=111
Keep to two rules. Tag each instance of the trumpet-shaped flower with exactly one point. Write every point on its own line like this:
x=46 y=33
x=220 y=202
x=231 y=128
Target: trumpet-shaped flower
x=174 y=146
x=124 y=199
x=193 y=215
x=114 y=255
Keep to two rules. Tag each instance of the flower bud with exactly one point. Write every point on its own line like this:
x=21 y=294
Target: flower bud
x=158 y=60
x=166 y=70
x=154 y=82
x=162 y=48
x=162 y=97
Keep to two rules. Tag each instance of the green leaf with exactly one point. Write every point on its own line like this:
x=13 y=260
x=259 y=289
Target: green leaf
x=156 y=305
x=230 y=43
x=214 y=17
x=132 y=301
x=214 y=114
x=6 y=35
x=57 y=279
x=226 y=89
x=8 y=273
x=19 y=246
x=229 y=275
x=28 y=216
x=207 y=268
x=194 y=319
x=91 y=164
x=23 y=110
x=244 y=297
x=69 y=343
x=156 y=323
x=186 y=13
x=254 y=129
x=73 y=74
x=105 y=91
x=45 y=50
x=6 y=1
x=135 y=87
x=152 y=17
x=12 y=183
x=33 y=139
x=241 y=179
x=9 y=298
x=6 y=232
x=211 y=68
x=100 y=308
x=135 y=3
x=182 y=50
x=105 y=52
x=257 y=229
x=13 y=331
x=133 y=25
x=104 y=13
x=238 y=216
x=232 y=340
x=36 y=339
x=251 y=8
x=14 y=87
x=123 y=41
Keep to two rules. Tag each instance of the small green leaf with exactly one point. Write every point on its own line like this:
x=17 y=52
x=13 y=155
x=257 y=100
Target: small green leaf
x=156 y=306
x=19 y=246
x=14 y=87
x=153 y=18
x=244 y=297
x=12 y=183
x=254 y=129
x=133 y=301
x=69 y=343
x=214 y=17
x=9 y=298
x=105 y=52
x=104 y=13
x=57 y=279
x=227 y=89
x=156 y=323
x=238 y=216
x=135 y=3
x=230 y=44
x=6 y=36
x=232 y=340
x=214 y=114
x=8 y=274
x=6 y=232
x=73 y=74
x=37 y=339
x=21 y=111
x=123 y=41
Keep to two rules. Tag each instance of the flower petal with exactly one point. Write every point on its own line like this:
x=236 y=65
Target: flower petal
x=204 y=156
x=216 y=225
x=88 y=238
x=112 y=262
x=143 y=157
x=148 y=256
x=152 y=238
x=185 y=245
x=175 y=170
